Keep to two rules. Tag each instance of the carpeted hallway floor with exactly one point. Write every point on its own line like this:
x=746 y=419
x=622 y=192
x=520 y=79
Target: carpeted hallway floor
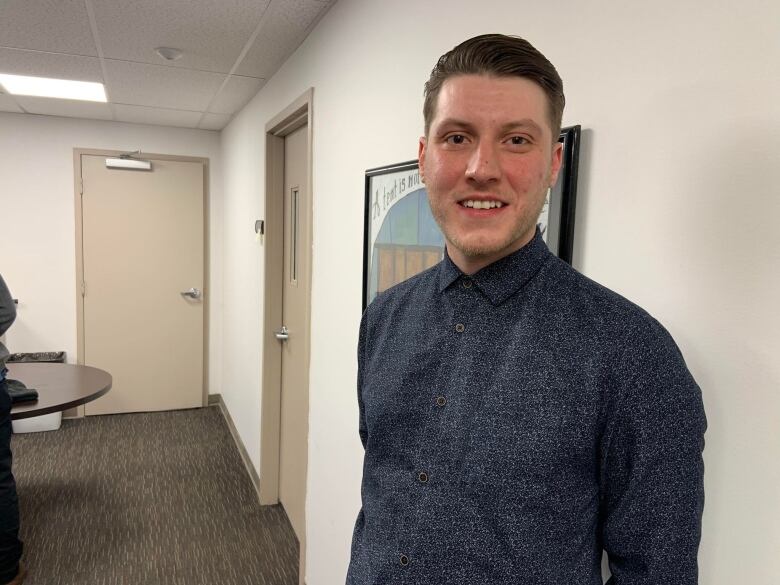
x=152 y=498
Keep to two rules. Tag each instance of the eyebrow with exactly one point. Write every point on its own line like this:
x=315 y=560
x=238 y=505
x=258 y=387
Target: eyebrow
x=524 y=123
x=509 y=126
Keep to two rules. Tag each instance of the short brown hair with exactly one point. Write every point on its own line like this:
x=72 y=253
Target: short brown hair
x=501 y=56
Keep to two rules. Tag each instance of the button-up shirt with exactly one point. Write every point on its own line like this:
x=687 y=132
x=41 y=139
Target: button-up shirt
x=517 y=423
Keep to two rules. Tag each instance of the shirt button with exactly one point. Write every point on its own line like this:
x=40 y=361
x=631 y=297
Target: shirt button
x=460 y=327
x=423 y=477
x=467 y=283
x=404 y=560
x=441 y=401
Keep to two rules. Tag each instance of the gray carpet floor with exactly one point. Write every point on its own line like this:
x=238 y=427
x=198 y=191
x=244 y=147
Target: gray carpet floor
x=144 y=499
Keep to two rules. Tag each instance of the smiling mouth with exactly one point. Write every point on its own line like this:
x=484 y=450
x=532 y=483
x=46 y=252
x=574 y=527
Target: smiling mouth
x=478 y=204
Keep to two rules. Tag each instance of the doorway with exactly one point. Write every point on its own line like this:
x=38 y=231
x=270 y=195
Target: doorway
x=287 y=310
x=141 y=278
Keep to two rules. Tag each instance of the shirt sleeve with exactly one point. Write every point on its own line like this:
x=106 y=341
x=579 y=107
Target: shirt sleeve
x=362 y=428
x=652 y=469
x=7 y=307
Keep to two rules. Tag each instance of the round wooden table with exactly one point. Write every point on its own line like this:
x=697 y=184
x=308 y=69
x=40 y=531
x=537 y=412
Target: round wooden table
x=59 y=386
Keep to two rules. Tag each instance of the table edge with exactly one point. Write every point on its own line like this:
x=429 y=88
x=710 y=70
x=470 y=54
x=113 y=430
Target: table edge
x=32 y=412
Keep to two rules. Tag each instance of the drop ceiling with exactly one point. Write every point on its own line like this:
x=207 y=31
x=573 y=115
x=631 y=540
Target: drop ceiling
x=230 y=49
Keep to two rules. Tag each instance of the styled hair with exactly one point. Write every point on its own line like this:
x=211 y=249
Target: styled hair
x=499 y=56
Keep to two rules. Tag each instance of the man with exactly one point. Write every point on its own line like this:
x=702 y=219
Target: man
x=518 y=419
x=10 y=547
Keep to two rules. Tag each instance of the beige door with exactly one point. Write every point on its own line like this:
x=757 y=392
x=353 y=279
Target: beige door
x=142 y=243
x=293 y=446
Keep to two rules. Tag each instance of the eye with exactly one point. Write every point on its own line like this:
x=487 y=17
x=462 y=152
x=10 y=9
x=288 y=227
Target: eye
x=518 y=140
x=456 y=139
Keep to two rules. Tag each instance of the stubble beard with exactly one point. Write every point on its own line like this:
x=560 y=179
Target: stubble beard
x=480 y=247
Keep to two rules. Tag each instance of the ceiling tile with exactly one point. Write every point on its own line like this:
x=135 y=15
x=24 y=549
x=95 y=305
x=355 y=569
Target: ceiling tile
x=214 y=121
x=61 y=26
x=7 y=104
x=283 y=29
x=211 y=34
x=22 y=62
x=54 y=38
x=69 y=108
x=156 y=116
x=159 y=86
x=236 y=93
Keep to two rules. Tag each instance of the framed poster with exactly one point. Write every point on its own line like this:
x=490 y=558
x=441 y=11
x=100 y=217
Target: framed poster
x=401 y=237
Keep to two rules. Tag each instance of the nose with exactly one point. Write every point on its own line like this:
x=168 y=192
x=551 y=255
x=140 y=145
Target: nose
x=483 y=165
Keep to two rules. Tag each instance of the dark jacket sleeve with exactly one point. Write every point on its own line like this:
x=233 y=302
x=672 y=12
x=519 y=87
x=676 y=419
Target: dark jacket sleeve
x=7 y=307
x=652 y=468
x=362 y=429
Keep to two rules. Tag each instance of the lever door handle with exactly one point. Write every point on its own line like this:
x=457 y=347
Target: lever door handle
x=193 y=293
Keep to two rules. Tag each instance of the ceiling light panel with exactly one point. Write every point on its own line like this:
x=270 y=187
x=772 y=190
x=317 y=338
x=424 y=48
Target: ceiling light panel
x=89 y=91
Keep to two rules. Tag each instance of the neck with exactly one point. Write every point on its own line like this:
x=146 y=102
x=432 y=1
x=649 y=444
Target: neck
x=472 y=263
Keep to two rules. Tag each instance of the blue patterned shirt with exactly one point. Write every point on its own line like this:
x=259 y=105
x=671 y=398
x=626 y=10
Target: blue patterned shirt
x=518 y=422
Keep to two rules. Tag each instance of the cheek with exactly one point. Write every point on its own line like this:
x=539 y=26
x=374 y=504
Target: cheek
x=523 y=182
x=529 y=178
x=442 y=170
x=433 y=173
x=437 y=198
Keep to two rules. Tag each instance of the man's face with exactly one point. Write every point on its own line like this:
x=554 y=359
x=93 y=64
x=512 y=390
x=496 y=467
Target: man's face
x=487 y=162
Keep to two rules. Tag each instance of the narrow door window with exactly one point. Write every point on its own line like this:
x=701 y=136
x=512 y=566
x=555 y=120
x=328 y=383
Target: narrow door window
x=294 y=226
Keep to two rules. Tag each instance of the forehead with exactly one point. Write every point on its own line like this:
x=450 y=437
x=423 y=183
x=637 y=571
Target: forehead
x=487 y=98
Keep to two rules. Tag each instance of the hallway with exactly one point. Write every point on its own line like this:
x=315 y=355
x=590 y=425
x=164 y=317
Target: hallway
x=146 y=498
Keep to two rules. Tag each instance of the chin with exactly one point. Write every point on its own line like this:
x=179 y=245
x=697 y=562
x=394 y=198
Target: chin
x=480 y=247
x=491 y=244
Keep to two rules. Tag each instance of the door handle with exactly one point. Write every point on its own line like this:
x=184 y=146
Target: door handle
x=283 y=334
x=193 y=293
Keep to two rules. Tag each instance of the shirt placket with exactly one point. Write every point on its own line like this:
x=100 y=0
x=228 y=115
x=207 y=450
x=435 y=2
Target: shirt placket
x=448 y=396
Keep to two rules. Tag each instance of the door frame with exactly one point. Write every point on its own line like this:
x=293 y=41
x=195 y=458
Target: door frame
x=294 y=116
x=78 y=191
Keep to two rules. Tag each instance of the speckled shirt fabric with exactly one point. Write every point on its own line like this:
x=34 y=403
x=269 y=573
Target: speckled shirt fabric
x=516 y=423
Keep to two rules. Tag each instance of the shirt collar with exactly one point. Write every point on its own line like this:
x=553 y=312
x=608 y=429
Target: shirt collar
x=504 y=277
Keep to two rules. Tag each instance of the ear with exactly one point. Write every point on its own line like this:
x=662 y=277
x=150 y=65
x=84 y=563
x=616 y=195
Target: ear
x=555 y=163
x=421 y=157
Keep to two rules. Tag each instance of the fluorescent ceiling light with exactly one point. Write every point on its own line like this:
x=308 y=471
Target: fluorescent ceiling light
x=56 y=88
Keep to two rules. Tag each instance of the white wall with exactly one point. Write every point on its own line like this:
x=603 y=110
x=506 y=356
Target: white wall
x=678 y=210
x=37 y=219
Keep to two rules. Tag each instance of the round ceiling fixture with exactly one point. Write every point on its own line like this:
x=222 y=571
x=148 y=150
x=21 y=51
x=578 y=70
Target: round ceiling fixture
x=169 y=53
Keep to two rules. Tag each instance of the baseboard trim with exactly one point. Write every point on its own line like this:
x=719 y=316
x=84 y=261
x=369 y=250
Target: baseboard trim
x=217 y=401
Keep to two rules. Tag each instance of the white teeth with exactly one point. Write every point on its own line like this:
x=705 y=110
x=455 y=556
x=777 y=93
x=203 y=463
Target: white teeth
x=476 y=204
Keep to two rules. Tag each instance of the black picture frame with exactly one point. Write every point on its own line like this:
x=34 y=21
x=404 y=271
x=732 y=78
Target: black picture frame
x=400 y=237
x=561 y=202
